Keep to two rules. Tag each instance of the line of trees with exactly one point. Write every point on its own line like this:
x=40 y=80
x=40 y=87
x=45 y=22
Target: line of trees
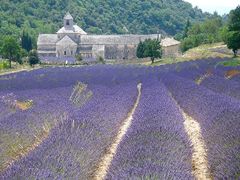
x=15 y=50
x=206 y=32
x=213 y=30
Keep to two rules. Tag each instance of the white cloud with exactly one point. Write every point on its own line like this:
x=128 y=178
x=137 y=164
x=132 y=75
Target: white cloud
x=221 y=6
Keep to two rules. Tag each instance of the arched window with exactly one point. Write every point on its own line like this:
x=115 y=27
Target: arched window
x=65 y=53
x=67 y=22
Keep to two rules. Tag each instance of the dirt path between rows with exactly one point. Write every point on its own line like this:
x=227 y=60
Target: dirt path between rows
x=200 y=167
x=105 y=162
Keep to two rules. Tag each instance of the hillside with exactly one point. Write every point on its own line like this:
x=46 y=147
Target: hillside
x=110 y=16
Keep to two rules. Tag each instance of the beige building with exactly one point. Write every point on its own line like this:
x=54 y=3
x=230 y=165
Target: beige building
x=170 y=47
x=71 y=40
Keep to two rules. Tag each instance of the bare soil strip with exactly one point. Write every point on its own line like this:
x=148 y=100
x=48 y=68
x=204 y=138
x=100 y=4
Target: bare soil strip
x=200 y=167
x=199 y=156
x=204 y=77
x=2 y=73
x=105 y=162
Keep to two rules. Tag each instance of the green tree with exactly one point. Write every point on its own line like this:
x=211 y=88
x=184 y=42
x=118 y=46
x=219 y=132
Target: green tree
x=33 y=57
x=187 y=27
x=26 y=41
x=79 y=57
x=101 y=60
x=233 y=34
x=11 y=50
x=233 y=41
x=140 y=50
x=206 y=32
x=150 y=48
x=153 y=49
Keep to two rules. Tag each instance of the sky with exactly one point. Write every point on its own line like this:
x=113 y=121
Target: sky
x=221 y=6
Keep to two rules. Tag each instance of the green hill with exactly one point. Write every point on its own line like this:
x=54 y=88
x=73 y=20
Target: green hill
x=96 y=16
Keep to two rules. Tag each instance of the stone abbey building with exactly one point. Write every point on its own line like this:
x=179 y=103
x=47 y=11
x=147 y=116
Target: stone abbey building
x=71 y=40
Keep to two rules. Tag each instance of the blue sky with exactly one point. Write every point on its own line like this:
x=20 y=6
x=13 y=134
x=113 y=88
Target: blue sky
x=221 y=6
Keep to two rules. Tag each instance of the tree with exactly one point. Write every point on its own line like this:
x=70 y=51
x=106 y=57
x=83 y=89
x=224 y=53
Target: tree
x=233 y=41
x=26 y=41
x=233 y=34
x=11 y=50
x=33 y=57
x=79 y=57
x=140 y=50
x=149 y=48
x=153 y=49
x=187 y=27
x=206 y=32
x=101 y=60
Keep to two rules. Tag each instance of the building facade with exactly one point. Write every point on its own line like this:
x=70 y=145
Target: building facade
x=71 y=40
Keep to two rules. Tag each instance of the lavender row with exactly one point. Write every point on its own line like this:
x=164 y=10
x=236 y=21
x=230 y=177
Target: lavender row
x=156 y=145
x=55 y=77
x=218 y=116
x=214 y=81
x=19 y=128
x=76 y=144
x=222 y=85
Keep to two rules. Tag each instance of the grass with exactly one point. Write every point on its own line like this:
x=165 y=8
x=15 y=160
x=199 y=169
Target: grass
x=16 y=68
x=232 y=63
x=201 y=52
x=4 y=64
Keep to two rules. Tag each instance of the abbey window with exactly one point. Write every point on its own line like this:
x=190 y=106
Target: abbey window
x=67 y=23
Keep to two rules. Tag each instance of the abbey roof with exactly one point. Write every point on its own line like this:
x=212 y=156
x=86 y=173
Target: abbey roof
x=66 y=41
x=48 y=39
x=76 y=29
x=68 y=16
x=115 y=39
x=166 y=42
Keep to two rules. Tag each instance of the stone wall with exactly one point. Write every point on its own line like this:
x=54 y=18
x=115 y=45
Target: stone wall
x=68 y=50
x=120 y=51
x=98 y=51
x=171 y=51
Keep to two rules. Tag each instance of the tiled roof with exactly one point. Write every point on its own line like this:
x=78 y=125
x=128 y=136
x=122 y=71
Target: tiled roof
x=68 y=16
x=66 y=41
x=76 y=29
x=169 y=42
x=47 y=39
x=115 y=39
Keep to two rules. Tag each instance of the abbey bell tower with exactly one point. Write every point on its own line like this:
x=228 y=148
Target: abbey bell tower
x=68 y=21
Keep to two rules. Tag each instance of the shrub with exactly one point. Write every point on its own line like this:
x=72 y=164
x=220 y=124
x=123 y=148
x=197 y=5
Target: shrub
x=101 y=60
x=79 y=57
x=4 y=64
x=33 y=58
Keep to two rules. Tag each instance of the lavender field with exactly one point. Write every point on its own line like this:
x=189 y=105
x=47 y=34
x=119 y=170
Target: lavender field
x=179 y=121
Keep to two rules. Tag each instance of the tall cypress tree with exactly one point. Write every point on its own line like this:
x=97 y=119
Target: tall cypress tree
x=140 y=50
x=186 y=29
x=26 y=41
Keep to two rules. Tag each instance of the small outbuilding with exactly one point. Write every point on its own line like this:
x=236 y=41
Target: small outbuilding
x=170 y=47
